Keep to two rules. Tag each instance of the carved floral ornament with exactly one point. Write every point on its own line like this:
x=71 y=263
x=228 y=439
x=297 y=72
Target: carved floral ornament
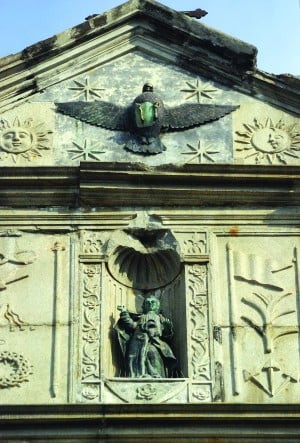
x=22 y=139
x=14 y=369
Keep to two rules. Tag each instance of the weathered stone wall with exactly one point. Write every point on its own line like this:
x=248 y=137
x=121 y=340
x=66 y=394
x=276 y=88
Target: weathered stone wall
x=209 y=226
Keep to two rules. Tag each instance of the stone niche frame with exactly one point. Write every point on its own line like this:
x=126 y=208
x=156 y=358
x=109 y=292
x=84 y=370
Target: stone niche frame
x=184 y=298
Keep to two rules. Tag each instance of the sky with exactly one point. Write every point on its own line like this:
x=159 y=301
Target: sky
x=273 y=26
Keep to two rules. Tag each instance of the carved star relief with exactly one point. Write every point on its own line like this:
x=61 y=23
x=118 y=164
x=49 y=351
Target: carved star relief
x=199 y=90
x=85 y=151
x=86 y=89
x=200 y=153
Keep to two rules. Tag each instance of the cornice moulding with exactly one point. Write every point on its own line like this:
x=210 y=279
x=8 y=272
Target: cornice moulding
x=120 y=185
x=153 y=29
x=182 y=423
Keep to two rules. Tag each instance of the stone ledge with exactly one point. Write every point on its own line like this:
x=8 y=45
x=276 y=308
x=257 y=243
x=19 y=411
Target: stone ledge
x=124 y=184
x=205 y=423
x=121 y=185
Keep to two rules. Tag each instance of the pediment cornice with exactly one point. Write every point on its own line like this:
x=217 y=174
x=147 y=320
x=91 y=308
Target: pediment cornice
x=152 y=29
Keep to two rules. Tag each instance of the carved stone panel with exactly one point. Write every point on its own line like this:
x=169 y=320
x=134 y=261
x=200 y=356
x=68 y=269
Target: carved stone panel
x=34 y=317
x=263 y=135
x=260 y=318
x=26 y=138
x=200 y=358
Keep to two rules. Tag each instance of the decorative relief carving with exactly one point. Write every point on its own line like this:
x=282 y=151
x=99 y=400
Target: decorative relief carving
x=86 y=151
x=145 y=260
x=192 y=244
x=25 y=140
x=201 y=393
x=11 y=276
x=154 y=392
x=90 y=322
x=144 y=271
x=90 y=391
x=146 y=392
x=92 y=243
x=269 y=142
x=13 y=318
x=199 y=89
x=18 y=258
x=200 y=359
x=258 y=270
x=270 y=378
x=269 y=308
x=198 y=154
x=267 y=316
x=198 y=282
x=86 y=89
x=14 y=369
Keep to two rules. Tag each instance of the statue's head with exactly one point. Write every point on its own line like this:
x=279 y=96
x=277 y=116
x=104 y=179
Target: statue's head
x=151 y=304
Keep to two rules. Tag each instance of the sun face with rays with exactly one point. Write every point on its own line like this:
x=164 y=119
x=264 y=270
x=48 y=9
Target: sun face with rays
x=268 y=142
x=24 y=140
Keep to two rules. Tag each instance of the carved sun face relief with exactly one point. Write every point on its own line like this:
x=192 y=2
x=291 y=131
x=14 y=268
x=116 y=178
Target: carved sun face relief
x=22 y=139
x=268 y=142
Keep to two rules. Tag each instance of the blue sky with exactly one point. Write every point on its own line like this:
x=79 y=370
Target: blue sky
x=273 y=26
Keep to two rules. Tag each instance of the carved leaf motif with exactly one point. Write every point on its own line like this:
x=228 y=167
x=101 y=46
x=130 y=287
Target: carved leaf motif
x=200 y=363
x=195 y=244
x=197 y=279
x=198 y=316
x=269 y=309
x=90 y=322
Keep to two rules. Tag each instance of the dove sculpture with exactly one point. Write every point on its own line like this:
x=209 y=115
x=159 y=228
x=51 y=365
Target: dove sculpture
x=145 y=118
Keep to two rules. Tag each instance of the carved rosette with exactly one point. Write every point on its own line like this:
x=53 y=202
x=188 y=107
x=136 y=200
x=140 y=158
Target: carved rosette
x=14 y=369
x=142 y=391
x=146 y=392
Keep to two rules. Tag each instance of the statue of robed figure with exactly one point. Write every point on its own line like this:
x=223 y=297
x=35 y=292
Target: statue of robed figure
x=143 y=339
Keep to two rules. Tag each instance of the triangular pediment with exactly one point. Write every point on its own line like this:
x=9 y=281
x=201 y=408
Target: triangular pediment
x=108 y=58
x=152 y=29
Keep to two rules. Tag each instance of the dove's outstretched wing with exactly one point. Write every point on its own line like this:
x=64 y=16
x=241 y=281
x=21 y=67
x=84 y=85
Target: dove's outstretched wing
x=190 y=115
x=98 y=113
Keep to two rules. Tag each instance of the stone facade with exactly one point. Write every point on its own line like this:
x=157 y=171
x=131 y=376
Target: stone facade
x=209 y=226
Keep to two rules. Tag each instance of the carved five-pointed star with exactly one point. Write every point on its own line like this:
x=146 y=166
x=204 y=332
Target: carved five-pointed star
x=86 y=89
x=199 y=90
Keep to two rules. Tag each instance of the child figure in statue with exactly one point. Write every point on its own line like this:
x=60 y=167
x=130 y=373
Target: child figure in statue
x=143 y=340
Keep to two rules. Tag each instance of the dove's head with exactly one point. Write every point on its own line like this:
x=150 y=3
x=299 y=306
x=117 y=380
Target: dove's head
x=148 y=87
x=148 y=108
